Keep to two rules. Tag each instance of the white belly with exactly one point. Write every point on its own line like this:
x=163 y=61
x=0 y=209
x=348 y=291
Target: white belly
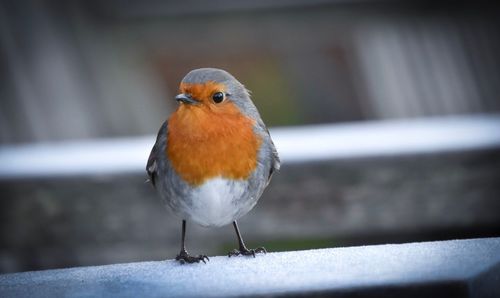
x=218 y=202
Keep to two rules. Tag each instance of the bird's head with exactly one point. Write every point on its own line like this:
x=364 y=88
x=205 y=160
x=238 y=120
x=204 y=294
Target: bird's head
x=215 y=91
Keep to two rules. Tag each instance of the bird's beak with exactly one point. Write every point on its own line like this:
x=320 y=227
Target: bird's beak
x=185 y=98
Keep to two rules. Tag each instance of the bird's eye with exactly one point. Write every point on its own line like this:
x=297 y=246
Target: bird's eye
x=218 y=97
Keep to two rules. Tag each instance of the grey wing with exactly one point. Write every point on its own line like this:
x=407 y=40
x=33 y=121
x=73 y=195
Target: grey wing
x=272 y=153
x=275 y=159
x=152 y=165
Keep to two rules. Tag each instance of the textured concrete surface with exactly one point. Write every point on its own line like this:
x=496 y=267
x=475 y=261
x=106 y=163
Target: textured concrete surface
x=458 y=268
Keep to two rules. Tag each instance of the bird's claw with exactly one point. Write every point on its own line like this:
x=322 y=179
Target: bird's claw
x=184 y=257
x=246 y=252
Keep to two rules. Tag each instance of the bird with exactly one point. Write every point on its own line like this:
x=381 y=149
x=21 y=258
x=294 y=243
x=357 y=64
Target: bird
x=213 y=157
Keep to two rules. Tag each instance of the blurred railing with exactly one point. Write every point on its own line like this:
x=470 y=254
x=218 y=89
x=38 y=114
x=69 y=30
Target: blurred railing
x=294 y=144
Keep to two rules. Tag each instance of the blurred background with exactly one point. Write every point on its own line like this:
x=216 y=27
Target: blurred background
x=95 y=74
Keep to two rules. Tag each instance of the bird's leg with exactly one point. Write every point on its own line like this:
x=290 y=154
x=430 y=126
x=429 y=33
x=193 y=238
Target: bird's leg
x=243 y=250
x=183 y=256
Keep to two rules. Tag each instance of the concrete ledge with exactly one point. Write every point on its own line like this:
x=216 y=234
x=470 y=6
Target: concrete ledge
x=459 y=268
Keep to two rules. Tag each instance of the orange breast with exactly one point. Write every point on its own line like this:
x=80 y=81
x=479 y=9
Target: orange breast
x=204 y=144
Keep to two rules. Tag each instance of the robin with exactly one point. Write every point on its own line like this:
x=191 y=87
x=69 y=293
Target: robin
x=213 y=157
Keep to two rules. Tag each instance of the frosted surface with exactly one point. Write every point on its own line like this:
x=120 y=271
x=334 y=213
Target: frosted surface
x=331 y=270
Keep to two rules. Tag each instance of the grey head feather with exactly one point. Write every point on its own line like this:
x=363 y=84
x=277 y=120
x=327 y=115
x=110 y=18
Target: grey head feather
x=202 y=75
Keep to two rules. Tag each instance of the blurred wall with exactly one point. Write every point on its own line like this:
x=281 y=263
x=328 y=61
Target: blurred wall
x=85 y=69
x=92 y=220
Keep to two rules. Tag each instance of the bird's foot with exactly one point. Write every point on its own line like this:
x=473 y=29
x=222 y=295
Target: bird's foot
x=184 y=257
x=246 y=252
